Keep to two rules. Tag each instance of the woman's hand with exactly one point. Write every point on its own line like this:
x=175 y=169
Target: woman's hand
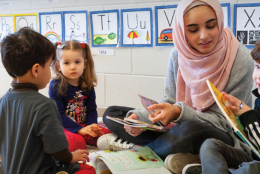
x=80 y=155
x=93 y=130
x=133 y=131
x=166 y=114
x=235 y=104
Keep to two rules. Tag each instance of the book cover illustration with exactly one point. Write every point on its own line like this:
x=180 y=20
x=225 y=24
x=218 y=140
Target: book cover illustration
x=230 y=116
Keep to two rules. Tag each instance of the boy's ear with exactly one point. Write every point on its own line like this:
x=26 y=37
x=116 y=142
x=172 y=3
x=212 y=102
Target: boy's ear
x=85 y=63
x=58 y=66
x=35 y=70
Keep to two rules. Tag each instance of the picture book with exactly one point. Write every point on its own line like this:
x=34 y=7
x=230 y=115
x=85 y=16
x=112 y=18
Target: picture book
x=142 y=160
x=229 y=115
x=146 y=102
x=139 y=124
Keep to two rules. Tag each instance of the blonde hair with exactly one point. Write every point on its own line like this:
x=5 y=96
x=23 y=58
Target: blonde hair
x=88 y=79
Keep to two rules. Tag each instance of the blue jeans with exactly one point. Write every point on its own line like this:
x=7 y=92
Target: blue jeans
x=186 y=137
x=217 y=157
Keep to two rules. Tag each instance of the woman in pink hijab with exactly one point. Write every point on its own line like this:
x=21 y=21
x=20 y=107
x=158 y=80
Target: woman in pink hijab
x=203 y=50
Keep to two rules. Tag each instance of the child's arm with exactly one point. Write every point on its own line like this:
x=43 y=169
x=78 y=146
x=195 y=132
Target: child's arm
x=67 y=123
x=91 y=108
x=65 y=156
x=249 y=118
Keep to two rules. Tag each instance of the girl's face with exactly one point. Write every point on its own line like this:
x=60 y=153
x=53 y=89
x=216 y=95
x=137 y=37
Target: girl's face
x=72 y=65
x=256 y=75
x=201 y=28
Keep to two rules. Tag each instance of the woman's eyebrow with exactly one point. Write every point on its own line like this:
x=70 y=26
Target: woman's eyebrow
x=191 y=25
x=211 y=20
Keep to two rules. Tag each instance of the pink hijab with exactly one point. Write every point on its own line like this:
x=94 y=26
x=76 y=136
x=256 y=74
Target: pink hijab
x=195 y=67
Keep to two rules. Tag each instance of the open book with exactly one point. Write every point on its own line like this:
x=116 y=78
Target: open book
x=142 y=160
x=139 y=124
x=230 y=116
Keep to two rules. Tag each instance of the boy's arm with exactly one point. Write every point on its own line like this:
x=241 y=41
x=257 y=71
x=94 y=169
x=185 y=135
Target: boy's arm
x=250 y=120
x=64 y=156
x=91 y=116
x=67 y=123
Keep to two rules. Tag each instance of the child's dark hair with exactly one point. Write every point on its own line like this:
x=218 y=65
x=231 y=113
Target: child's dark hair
x=88 y=78
x=21 y=50
x=255 y=53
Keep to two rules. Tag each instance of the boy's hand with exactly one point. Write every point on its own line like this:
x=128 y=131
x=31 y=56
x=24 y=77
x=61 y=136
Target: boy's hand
x=93 y=130
x=80 y=155
x=166 y=114
x=133 y=131
x=235 y=104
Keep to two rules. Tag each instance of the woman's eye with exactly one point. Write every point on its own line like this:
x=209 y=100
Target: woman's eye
x=211 y=26
x=193 y=31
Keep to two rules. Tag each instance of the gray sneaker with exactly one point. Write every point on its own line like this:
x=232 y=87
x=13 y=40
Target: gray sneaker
x=176 y=162
x=192 y=169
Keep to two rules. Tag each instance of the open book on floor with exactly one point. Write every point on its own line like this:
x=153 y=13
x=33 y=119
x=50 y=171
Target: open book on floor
x=230 y=116
x=142 y=160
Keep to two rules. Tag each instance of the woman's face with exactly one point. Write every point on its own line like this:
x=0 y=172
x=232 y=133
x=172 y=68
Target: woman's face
x=201 y=28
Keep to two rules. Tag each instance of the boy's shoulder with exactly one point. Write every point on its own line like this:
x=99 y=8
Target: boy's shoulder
x=30 y=97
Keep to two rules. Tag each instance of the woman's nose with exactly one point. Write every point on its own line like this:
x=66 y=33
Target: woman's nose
x=204 y=34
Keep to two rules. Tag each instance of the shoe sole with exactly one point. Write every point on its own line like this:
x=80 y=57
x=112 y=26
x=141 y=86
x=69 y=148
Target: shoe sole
x=176 y=162
x=187 y=166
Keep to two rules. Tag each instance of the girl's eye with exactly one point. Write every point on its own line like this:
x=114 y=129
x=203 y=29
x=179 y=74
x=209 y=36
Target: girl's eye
x=77 y=61
x=257 y=67
x=66 y=63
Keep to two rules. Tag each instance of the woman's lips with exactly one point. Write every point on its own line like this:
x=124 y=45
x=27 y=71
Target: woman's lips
x=205 y=44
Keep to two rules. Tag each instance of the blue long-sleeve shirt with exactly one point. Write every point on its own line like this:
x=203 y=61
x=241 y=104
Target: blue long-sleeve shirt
x=77 y=107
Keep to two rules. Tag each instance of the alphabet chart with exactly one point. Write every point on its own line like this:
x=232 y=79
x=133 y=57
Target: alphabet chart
x=25 y=20
x=104 y=28
x=76 y=25
x=51 y=26
x=137 y=27
x=7 y=25
x=247 y=23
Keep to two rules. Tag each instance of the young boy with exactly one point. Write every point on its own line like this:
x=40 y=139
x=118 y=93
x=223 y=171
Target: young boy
x=218 y=157
x=30 y=125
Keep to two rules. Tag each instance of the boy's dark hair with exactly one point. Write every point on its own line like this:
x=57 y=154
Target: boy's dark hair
x=21 y=50
x=255 y=53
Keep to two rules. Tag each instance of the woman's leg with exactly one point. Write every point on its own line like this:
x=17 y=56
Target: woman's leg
x=217 y=157
x=76 y=141
x=187 y=137
x=118 y=129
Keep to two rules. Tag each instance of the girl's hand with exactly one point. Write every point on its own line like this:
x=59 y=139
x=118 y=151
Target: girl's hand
x=166 y=114
x=235 y=104
x=80 y=155
x=92 y=130
x=133 y=131
x=96 y=129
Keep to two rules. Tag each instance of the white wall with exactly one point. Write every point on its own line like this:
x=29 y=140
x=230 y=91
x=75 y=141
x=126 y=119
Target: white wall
x=130 y=71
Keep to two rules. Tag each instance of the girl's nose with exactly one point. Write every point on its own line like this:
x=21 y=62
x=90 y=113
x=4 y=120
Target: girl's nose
x=204 y=34
x=72 y=66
